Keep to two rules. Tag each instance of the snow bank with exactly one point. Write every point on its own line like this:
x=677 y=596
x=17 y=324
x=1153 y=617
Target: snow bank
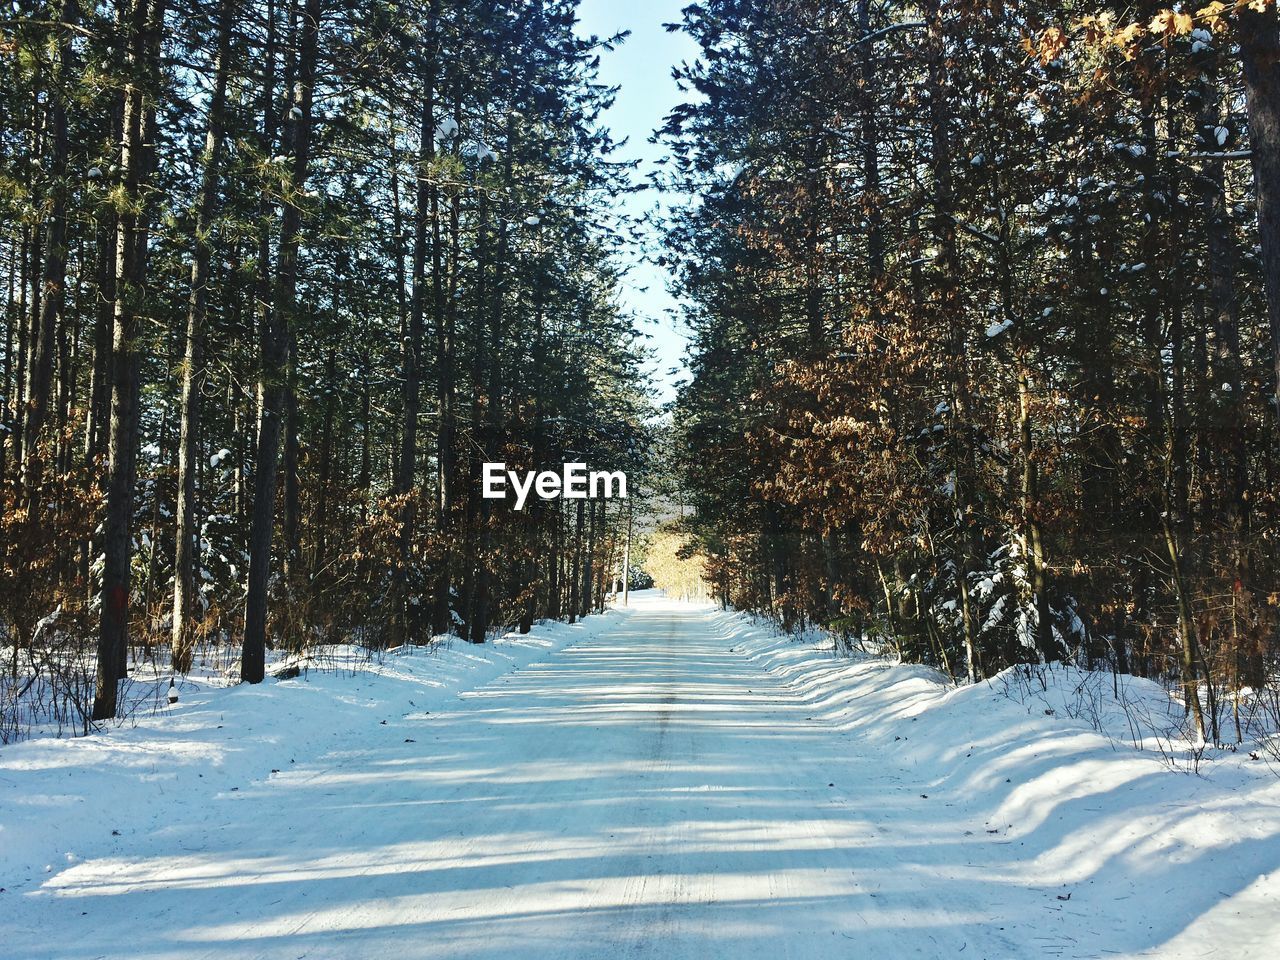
x=1045 y=768
x=116 y=793
x=686 y=784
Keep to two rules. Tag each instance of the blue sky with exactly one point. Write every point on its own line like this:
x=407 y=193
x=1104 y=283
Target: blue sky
x=642 y=68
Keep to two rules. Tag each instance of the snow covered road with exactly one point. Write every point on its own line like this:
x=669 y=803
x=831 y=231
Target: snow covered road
x=648 y=792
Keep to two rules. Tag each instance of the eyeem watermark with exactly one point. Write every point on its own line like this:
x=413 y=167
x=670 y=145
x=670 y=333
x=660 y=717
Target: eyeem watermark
x=574 y=482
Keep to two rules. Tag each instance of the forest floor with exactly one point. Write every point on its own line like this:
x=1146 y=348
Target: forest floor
x=666 y=782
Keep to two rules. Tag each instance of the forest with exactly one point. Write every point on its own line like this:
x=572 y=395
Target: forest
x=985 y=307
x=576 y=479
x=279 y=276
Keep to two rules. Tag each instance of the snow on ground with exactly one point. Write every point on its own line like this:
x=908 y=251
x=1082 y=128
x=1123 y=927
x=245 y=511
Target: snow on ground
x=668 y=782
x=64 y=801
x=1042 y=767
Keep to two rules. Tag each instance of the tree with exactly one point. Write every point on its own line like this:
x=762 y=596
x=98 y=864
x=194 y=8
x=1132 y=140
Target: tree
x=185 y=546
x=228 y=255
x=977 y=366
x=144 y=29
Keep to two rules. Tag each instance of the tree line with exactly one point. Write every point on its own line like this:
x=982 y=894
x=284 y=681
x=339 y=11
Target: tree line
x=280 y=275
x=985 y=301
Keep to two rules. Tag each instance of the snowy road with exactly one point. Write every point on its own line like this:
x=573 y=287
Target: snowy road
x=648 y=792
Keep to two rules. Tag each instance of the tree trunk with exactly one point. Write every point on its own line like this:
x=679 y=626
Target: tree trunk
x=411 y=351
x=626 y=559
x=446 y=322
x=1045 y=642
x=575 y=580
x=589 y=562
x=944 y=229
x=1259 y=37
x=272 y=379
x=1186 y=627
x=10 y=326
x=23 y=340
x=145 y=27
x=554 y=560
x=871 y=156
x=53 y=284
x=95 y=434
x=292 y=532
x=186 y=551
